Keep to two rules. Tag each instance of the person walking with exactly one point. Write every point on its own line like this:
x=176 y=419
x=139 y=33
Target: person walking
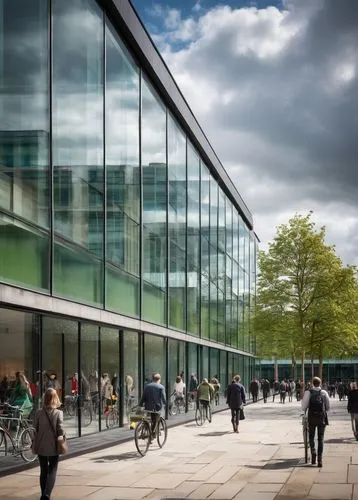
x=265 y=389
x=254 y=389
x=283 y=391
x=49 y=428
x=153 y=399
x=236 y=397
x=352 y=408
x=316 y=401
x=275 y=389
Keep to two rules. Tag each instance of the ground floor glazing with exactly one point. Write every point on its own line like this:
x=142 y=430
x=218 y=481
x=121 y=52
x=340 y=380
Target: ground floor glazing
x=99 y=371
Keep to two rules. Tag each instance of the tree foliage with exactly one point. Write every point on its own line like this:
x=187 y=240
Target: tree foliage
x=306 y=298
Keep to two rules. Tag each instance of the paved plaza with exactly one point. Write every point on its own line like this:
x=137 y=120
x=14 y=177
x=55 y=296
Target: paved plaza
x=263 y=462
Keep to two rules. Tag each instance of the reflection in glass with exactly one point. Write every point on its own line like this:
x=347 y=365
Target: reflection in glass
x=89 y=379
x=60 y=359
x=205 y=250
x=23 y=254
x=123 y=188
x=204 y=363
x=223 y=370
x=154 y=206
x=24 y=128
x=193 y=242
x=109 y=378
x=154 y=358
x=176 y=225
x=214 y=278
x=221 y=280
x=130 y=384
x=78 y=146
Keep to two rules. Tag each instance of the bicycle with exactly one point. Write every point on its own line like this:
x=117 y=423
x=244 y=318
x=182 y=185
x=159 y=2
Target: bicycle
x=20 y=439
x=112 y=414
x=70 y=408
x=305 y=434
x=143 y=434
x=202 y=413
x=177 y=405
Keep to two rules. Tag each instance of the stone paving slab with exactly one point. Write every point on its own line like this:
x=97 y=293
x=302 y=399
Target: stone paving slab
x=263 y=462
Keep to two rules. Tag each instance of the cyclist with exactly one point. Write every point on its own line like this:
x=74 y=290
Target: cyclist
x=153 y=399
x=205 y=395
x=316 y=400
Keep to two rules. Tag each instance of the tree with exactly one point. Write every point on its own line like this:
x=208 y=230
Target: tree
x=305 y=296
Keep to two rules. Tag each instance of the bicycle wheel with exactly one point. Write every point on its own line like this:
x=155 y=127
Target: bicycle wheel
x=162 y=432
x=25 y=445
x=199 y=416
x=208 y=414
x=3 y=443
x=142 y=437
x=112 y=419
x=173 y=410
x=71 y=409
x=86 y=416
x=305 y=441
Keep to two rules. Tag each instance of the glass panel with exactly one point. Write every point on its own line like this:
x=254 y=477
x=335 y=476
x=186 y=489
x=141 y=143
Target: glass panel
x=154 y=358
x=130 y=384
x=204 y=363
x=223 y=370
x=176 y=369
x=177 y=225
x=122 y=163
x=24 y=254
x=19 y=340
x=193 y=242
x=60 y=364
x=122 y=291
x=205 y=250
x=193 y=368
x=109 y=380
x=78 y=141
x=77 y=274
x=154 y=206
x=24 y=134
x=89 y=379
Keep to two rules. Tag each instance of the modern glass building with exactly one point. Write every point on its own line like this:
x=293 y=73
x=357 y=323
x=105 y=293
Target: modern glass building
x=124 y=246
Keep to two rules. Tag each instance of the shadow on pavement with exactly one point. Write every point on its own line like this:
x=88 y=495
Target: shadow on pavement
x=339 y=440
x=218 y=433
x=278 y=464
x=116 y=458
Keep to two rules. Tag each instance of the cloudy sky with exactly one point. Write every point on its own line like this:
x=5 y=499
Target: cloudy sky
x=274 y=86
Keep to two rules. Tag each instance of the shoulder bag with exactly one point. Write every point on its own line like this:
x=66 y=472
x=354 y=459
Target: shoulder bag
x=61 y=444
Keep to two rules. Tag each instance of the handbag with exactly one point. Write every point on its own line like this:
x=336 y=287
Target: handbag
x=242 y=414
x=61 y=444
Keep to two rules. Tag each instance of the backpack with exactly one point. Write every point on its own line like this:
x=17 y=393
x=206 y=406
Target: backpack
x=316 y=410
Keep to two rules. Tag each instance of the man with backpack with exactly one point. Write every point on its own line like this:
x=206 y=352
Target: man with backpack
x=316 y=401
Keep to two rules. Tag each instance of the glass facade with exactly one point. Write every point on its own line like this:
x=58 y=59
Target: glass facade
x=106 y=200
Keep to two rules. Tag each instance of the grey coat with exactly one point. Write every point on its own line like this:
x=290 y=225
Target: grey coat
x=46 y=440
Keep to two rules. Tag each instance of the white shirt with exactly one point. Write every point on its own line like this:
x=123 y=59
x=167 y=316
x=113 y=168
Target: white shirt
x=306 y=398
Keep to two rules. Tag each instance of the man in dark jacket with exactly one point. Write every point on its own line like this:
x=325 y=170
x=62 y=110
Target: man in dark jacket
x=265 y=389
x=153 y=399
x=236 y=397
x=352 y=408
x=254 y=389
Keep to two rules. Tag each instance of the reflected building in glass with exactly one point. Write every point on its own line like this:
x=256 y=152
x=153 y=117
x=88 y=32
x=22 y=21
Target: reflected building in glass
x=125 y=248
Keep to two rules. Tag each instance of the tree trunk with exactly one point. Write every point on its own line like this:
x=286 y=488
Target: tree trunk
x=275 y=368
x=320 y=366
x=312 y=366
x=293 y=366
x=303 y=370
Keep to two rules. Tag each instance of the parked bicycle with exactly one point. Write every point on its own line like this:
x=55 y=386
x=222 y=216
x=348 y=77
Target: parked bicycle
x=70 y=408
x=16 y=434
x=112 y=414
x=305 y=434
x=202 y=413
x=144 y=435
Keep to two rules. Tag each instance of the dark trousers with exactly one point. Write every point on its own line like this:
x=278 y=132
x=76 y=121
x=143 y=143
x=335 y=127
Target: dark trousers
x=235 y=416
x=320 y=437
x=254 y=397
x=154 y=418
x=48 y=466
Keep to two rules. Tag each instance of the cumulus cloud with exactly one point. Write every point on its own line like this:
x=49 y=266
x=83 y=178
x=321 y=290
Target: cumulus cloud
x=276 y=93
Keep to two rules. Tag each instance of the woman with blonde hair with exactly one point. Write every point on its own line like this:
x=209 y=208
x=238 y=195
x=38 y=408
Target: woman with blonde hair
x=49 y=428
